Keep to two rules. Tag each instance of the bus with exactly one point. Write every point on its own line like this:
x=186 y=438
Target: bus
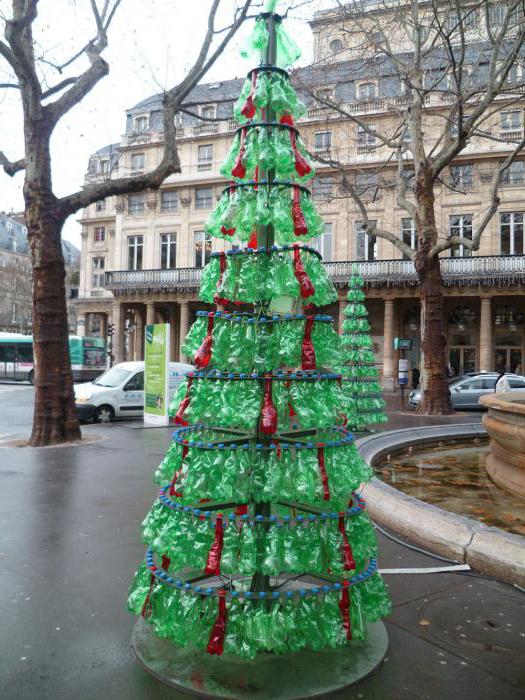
x=88 y=357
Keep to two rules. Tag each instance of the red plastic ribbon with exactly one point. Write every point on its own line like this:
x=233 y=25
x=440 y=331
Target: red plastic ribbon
x=252 y=243
x=218 y=632
x=308 y=360
x=242 y=510
x=348 y=557
x=203 y=355
x=239 y=169
x=146 y=608
x=222 y=267
x=179 y=416
x=299 y=223
x=248 y=109
x=302 y=167
x=213 y=563
x=305 y=283
x=286 y=119
x=172 y=491
x=268 y=411
x=344 y=607
x=324 y=475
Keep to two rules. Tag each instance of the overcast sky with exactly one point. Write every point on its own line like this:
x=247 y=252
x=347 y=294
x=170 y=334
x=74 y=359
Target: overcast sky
x=151 y=46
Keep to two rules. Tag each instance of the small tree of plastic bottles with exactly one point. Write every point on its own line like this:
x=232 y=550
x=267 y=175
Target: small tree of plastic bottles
x=364 y=405
x=259 y=540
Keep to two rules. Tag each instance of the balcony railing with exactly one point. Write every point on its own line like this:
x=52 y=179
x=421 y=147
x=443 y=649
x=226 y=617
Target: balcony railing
x=489 y=270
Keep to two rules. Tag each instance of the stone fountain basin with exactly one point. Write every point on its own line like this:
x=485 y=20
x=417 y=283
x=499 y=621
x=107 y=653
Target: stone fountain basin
x=488 y=550
x=505 y=423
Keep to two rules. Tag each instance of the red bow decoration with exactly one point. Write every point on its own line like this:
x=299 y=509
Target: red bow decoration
x=172 y=491
x=268 y=411
x=242 y=510
x=344 y=607
x=239 y=169
x=248 y=108
x=348 y=557
x=146 y=608
x=222 y=267
x=252 y=243
x=213 y=563
x=179 y=416
x=299 y=223
x=286 y=119
x=203 y=355
x=227 y=231
x=218 y=632
x=302 y=167
x=308 y=360
x=305 y=283
x=324 y=475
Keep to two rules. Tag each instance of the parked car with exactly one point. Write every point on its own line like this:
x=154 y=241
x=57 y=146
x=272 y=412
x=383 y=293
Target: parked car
x=119 y=392
x=466 y=390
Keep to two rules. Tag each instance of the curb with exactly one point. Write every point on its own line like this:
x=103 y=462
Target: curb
x=488 y=550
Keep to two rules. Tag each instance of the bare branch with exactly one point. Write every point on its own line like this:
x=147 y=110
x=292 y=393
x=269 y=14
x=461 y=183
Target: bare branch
x=11 y=167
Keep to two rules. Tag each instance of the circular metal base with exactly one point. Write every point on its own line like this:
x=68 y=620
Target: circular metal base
x=303 y=674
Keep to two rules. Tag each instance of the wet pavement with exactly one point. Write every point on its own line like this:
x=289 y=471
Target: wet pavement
x=70 y=542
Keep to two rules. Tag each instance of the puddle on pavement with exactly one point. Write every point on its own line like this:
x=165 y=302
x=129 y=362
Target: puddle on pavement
x=454 y=478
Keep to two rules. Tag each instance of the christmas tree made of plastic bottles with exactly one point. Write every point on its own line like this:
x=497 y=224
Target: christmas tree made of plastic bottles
x=363 y=403
x=259 y=541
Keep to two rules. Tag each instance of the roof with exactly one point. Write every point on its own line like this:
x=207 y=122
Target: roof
x=13 y=238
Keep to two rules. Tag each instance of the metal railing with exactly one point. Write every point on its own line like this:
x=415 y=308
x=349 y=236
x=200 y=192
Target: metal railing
x=483 y=269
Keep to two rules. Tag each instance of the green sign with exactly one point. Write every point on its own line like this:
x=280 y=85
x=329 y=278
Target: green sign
x=156 y=357
x=402 y=344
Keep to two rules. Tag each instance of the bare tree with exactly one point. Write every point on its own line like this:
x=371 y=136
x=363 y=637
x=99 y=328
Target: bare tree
x=455 y=65
x=55 y=419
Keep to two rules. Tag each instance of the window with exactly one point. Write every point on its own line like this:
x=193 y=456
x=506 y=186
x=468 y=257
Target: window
x=135 y=246
x=203 y=198
x=408 y=234
x=169 y=200
x=322 y=188
x=205 y=153
x=141 y=124
x=409 y=176
x=324 y=243
x=97 y=268
x=460 y=225
x=137 y=161
x=517 y=384
x=497 y=14
x=168 y=251
x=366 y=137
x=104 y=166
x=366 y=182
x=202 y=248
x=511 y=233
x=322 y=140
x=136 y=383
x=100 y=205
x=208 y=112
x=366 y=242
x=336 y=45
x=461 y=176
x=135 y=203
x=510 y=120
x=454 y=124
x=468 y=20
x=99 y=234
x=514 y=174
x=366 y=91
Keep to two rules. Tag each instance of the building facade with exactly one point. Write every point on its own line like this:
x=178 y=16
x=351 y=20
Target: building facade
x=142 y=255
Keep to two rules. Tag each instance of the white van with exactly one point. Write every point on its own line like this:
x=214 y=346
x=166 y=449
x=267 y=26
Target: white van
x=119 y=392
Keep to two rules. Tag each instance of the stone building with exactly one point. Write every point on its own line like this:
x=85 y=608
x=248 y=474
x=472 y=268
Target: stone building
x=15 y=276
x=142 y=255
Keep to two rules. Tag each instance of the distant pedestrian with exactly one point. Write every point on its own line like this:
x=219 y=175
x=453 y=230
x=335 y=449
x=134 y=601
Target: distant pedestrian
x=502 y=383
x=415 y=377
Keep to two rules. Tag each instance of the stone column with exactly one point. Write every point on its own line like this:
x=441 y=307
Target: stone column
x=184 y=326
x=342 y=307
x=118 y=319
x=81 y=324
x=139 y=338
x=389 y=357
x=485 y=336
x=174 y=344
x=150 y=313
x=103 y=326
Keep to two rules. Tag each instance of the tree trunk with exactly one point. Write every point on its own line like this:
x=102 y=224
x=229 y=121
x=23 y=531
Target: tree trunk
x=55 y=420
x=435 y=395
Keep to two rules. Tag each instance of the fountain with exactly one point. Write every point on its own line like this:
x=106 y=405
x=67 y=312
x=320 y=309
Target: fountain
x=505 y=423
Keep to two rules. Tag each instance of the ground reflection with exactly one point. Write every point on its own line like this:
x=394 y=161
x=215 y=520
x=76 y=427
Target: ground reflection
x=454 y=478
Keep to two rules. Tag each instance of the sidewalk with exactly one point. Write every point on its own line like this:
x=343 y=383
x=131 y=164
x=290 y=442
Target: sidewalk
x=70 y=541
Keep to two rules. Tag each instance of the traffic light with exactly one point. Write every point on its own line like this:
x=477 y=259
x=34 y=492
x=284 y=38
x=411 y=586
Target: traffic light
x=111 y=329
